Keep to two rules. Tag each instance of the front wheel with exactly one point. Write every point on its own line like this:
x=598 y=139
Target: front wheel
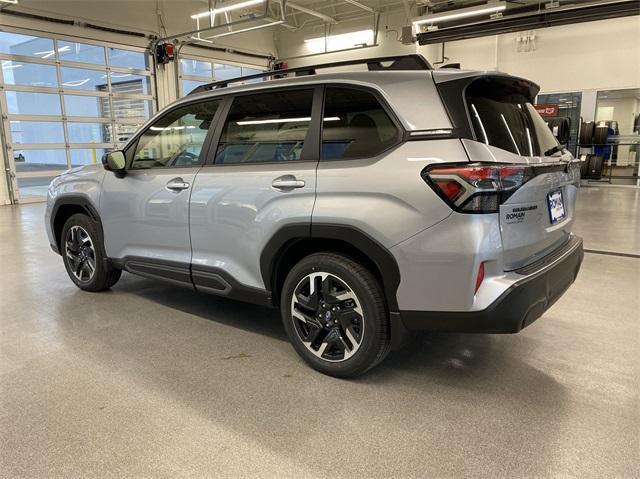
x=83 y=255
x=335 y=316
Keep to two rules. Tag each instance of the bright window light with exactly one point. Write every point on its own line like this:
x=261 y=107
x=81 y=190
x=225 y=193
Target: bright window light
x=340 y=41
x=491 y=7
x=227 y=7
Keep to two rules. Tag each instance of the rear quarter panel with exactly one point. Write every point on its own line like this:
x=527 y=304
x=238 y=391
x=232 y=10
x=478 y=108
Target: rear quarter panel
x=386 y=196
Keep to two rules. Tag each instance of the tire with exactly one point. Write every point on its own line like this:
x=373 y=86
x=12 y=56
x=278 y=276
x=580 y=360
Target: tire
x=586 y=133
x=348 y=334
x=584 y=167
x=601 y=134
x=83 y=255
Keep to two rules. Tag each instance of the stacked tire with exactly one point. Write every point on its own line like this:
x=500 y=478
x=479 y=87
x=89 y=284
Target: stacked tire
x=587 y=130
x=561 y=128
x=591 y=167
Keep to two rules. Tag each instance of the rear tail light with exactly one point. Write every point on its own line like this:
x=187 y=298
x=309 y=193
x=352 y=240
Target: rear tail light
x=476 y=188
x=479 y=277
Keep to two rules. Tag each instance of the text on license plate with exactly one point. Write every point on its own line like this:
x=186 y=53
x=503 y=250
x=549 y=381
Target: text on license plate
x=556 y=206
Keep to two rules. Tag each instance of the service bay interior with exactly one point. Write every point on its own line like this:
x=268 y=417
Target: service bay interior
x=372 y=238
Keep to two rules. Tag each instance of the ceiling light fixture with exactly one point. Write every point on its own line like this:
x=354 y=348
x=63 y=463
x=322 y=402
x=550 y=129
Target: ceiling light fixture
x=361 y=35
x=341 y=41
x=227 y=7
x=248 y=29
x=491 y=7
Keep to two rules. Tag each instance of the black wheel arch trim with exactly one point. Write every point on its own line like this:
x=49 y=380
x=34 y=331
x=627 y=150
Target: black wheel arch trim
x=277 y=247
x=73 y=200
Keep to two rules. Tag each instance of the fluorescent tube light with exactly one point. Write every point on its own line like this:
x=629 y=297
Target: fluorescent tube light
x=248 y=29
x=166 y=128
x=360 y=35
x=227 y=8
x=282 y=120
x=490 y=7
x=340 y=41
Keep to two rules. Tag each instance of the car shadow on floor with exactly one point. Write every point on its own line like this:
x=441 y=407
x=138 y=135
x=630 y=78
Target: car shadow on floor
x=245 y=316
x=454 y=358
x=455 y=379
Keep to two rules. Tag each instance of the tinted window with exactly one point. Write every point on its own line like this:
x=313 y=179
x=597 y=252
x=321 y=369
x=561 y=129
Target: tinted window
x=266 y=127
x=176 y=139
x=354 y=125
x=502 y=116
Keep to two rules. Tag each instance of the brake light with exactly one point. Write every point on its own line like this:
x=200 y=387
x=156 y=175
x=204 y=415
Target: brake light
x=476 y=188
x=451 y=188
x=479 y=277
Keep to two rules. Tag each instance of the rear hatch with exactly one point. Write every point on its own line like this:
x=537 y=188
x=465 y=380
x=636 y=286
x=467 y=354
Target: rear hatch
x=533 y=177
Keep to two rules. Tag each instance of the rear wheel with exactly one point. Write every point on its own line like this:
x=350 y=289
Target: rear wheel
x=83 y=255
x=335 y=316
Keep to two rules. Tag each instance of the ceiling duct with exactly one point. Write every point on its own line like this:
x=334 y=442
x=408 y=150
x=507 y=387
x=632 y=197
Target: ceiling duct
x=532 y=17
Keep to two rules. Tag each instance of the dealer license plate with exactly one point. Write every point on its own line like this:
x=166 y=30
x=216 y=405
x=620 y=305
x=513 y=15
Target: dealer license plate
x=556 y=206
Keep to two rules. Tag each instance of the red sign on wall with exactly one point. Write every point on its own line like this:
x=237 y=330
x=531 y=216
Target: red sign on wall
x=547 y=109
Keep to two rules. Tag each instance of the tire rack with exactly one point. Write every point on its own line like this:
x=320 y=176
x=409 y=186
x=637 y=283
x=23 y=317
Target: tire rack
x=608 y=161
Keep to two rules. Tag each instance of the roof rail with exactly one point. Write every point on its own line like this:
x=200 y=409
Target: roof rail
x=398 y=62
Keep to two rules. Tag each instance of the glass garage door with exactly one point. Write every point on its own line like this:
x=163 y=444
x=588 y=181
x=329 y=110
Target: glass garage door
x=65 y=102
x=195 y=72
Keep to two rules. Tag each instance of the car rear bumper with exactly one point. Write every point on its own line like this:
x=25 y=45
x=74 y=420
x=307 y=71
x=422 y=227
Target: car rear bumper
x=542 y=283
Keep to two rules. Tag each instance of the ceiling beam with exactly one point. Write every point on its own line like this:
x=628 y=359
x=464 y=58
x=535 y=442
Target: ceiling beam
x=359 y=5
x=309 y=11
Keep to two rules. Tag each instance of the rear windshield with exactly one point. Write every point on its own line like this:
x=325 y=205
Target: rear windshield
x=502 y=116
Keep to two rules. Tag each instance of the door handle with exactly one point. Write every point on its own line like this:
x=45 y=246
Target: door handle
x=287 y=182
x=177 y=184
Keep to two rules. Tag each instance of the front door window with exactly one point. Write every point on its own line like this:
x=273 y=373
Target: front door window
x=176 y=139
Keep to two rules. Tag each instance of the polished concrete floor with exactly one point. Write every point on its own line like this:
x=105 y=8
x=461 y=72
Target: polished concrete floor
x=151 y=381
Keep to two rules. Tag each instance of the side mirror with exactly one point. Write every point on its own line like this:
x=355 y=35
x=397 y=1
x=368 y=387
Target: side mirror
x=115 y=161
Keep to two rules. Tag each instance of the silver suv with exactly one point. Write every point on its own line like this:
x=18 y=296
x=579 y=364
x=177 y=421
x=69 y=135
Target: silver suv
x=362 y=204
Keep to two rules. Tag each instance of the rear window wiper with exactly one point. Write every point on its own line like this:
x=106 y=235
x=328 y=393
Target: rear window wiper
x=553 y=150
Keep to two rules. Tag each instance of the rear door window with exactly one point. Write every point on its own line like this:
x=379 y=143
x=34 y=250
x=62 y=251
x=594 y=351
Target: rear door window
x=355 y=125
x=502 y=116
x=266 y=127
